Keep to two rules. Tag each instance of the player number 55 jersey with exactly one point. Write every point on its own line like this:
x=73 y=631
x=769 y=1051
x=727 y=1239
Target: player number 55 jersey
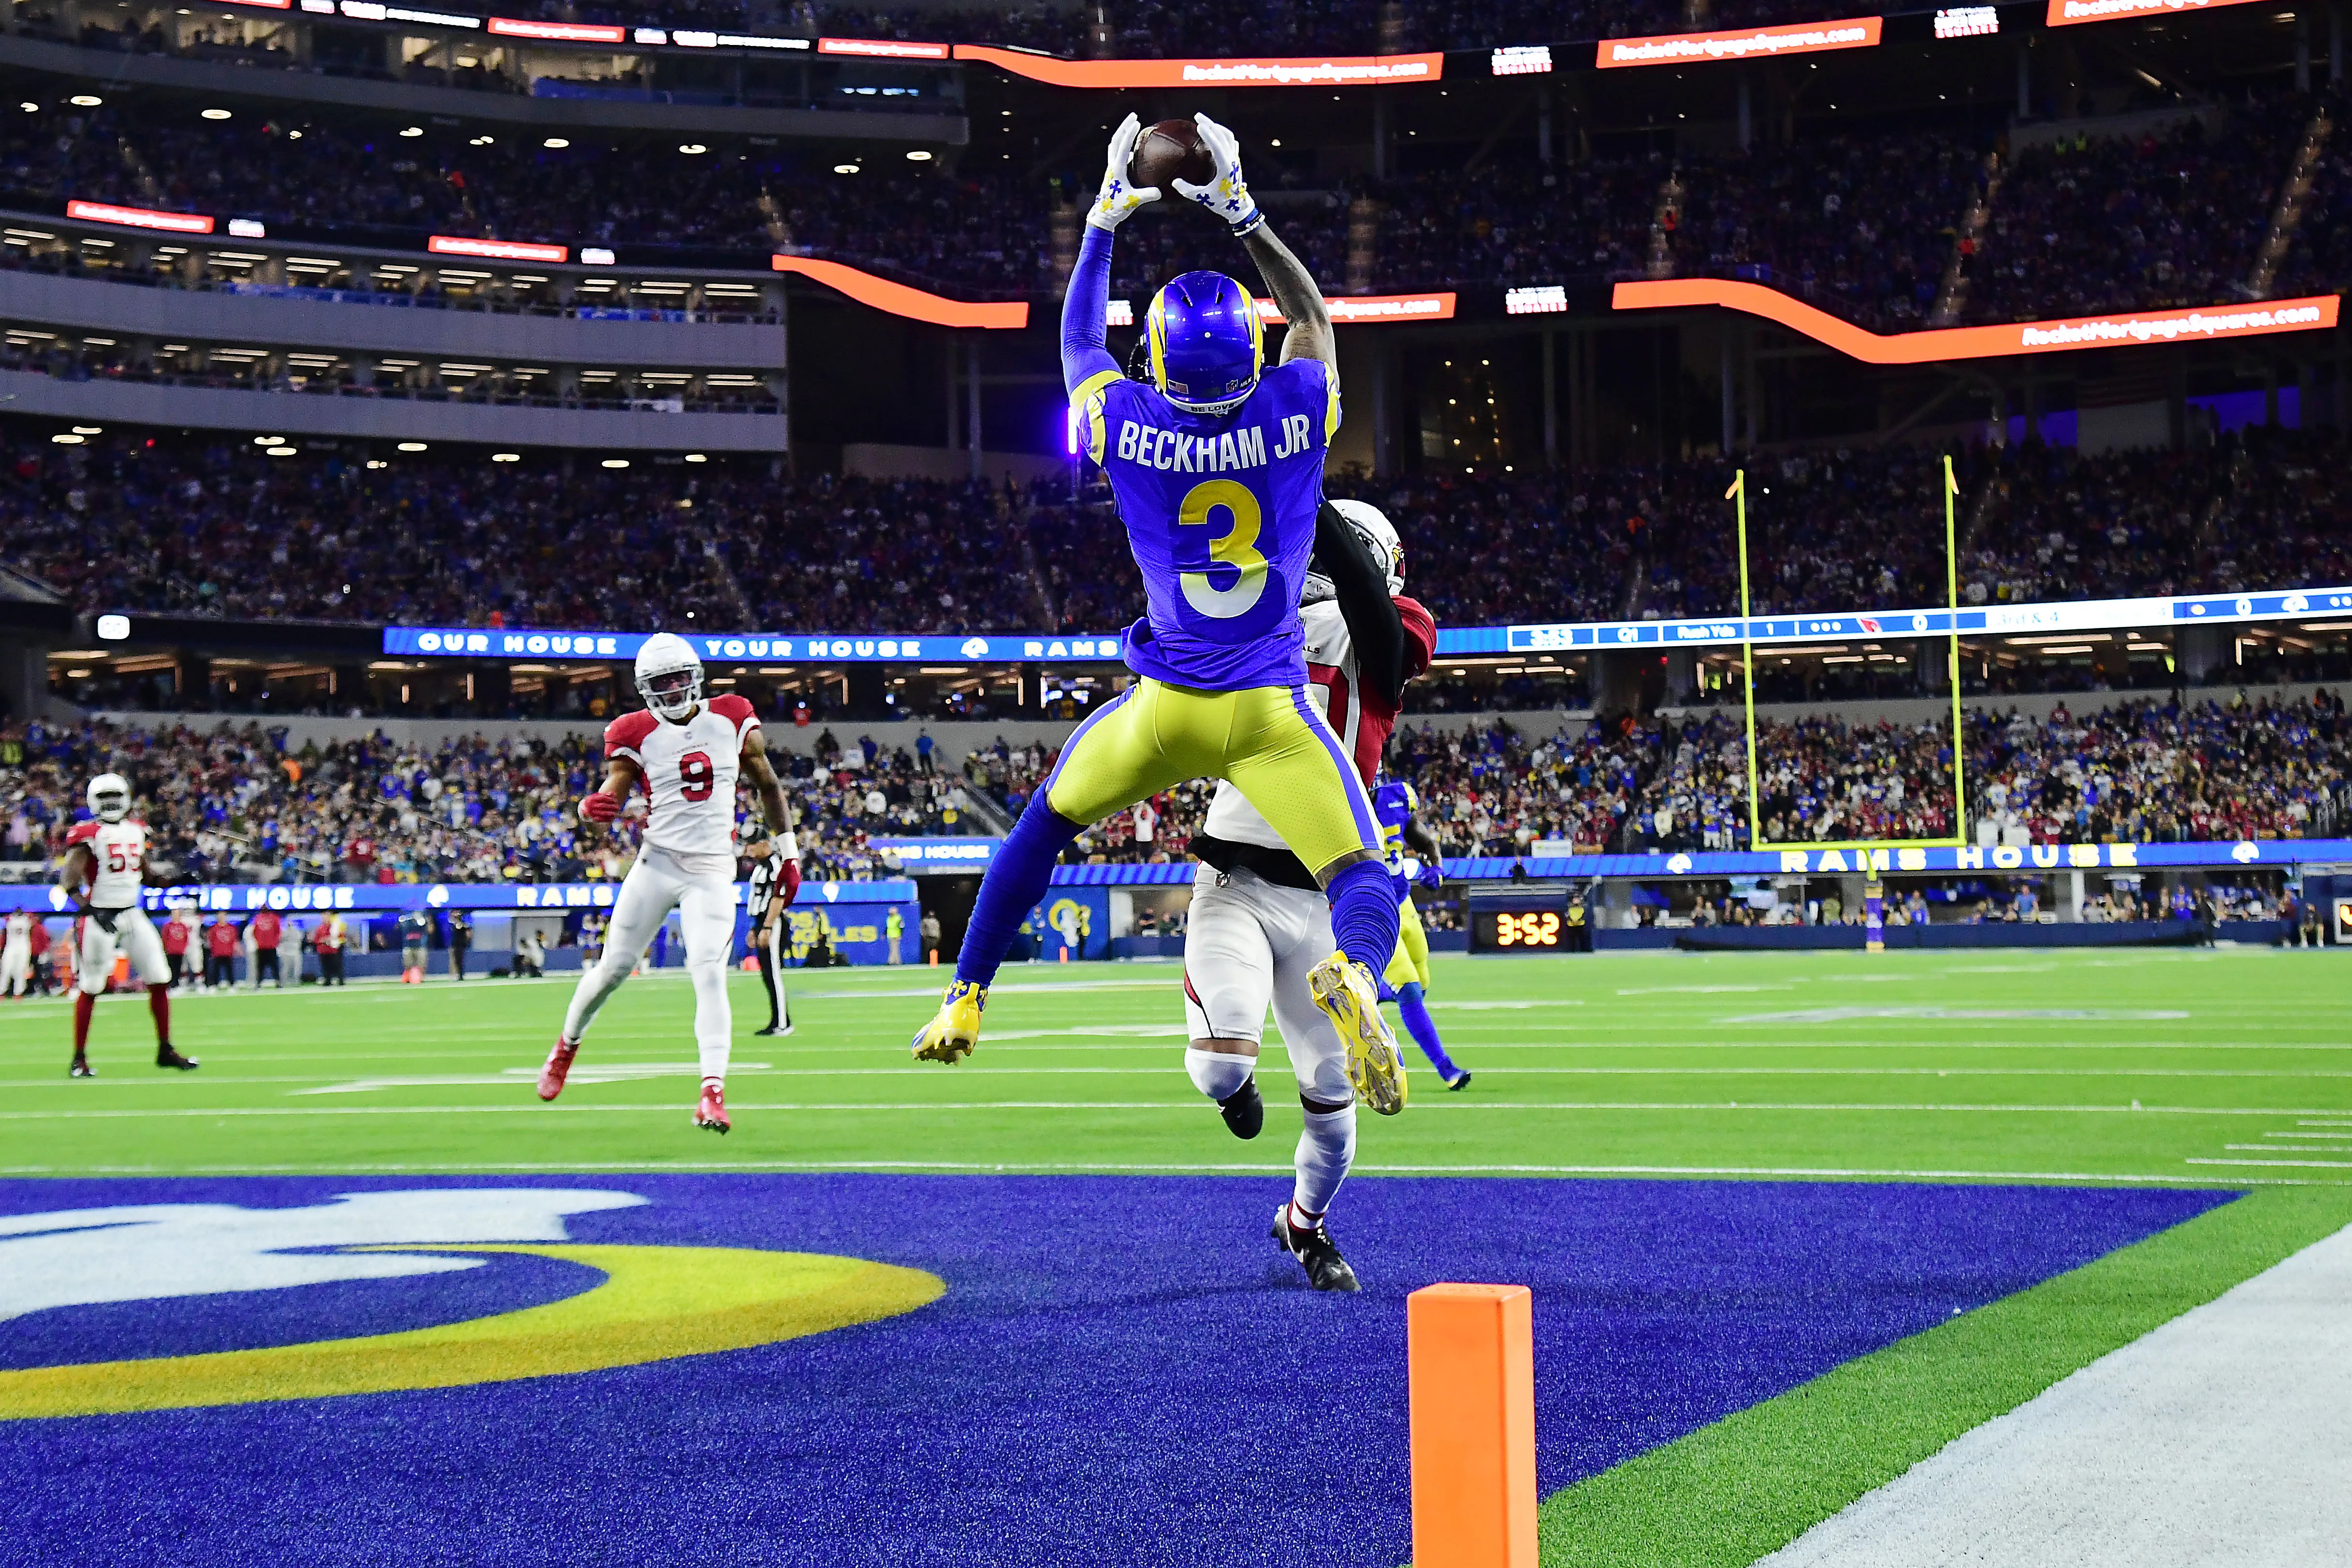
x=120 y=849
x=690 y=771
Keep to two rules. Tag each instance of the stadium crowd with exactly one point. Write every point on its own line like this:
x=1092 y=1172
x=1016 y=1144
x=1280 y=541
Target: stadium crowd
x=1865 y=226
x=1214 y=28
x=117 y=525
x=242 y=804
x=2145 y=771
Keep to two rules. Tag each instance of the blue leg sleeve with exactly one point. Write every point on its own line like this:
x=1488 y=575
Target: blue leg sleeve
x=1011 y=888
x=1424 y=1029
x=1364 y=913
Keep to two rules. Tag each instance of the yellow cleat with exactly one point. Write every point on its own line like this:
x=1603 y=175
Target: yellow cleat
x=950 y=1037
x=1348 y=997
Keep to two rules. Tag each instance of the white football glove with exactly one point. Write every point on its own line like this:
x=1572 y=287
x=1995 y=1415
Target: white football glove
x=1118 y=199
x=1227 y=194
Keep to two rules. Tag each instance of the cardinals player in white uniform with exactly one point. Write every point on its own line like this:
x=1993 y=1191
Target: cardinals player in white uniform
x=1259 y=922
x=105 y=864
x=686 y=755
x=17 y=955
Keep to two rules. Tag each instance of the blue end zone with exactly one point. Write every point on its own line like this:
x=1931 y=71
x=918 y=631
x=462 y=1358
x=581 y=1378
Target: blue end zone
x=1123 y=1370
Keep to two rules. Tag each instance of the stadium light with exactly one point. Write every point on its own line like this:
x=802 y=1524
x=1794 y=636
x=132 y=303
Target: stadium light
x=412 y=446
x=558 y=143
x=845 y=168
x=695 y=458
x=30 y=108
x=921 y=156
x=85 y=101
x=87 y=430
x=283 y=451
x=506 y=456
x=616 y=462
x=215 y=114
x=414 y=131
x=692 y=147
x=67 y=439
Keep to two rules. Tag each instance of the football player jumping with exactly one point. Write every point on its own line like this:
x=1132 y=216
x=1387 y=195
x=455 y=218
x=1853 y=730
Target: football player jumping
x=108 y=856
x=686 y=755
x=1217 y=467
x=1258 y=924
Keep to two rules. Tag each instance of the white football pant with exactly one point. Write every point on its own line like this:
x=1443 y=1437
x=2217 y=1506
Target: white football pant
x=701 y=888
x=133 y=934
x=1248 y=944
x=15 y=970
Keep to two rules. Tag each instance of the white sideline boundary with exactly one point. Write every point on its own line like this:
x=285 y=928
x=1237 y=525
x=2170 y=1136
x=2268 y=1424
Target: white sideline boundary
x=2219 y=1439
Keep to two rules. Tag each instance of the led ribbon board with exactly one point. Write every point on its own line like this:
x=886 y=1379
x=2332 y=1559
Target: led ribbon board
x=1744 y=44
x=2120 y=330
x=1365 y=309
x=2070 y=13
x=901 y=300
x=1358 y=71
x=1453 y=642
x=735 y=648
x=140 y=217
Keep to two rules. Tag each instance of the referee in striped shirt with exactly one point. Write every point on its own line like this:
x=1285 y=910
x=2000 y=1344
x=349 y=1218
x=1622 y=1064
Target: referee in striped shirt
x=775 y=880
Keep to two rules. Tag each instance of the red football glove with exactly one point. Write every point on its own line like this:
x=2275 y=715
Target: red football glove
x=600 y=806
x=788 y=878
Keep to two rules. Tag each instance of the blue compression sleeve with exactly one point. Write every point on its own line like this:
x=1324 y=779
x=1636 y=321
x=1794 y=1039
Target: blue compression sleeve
x=1364 y=913
x=1011 y=888
x=1083 y=307
x=1424 y=1029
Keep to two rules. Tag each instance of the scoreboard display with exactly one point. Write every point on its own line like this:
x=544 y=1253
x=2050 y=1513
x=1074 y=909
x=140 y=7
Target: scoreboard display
x=1527 y=918
x=1526 y=928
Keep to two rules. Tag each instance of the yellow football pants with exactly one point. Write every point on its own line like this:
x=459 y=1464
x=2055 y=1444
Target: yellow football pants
x=1408 y=964
x=1272 y=741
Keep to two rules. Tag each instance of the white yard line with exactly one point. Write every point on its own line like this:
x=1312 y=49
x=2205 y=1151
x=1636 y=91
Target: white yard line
x=1434 y=1104
x=2221 y=1439
x=2095 y=1178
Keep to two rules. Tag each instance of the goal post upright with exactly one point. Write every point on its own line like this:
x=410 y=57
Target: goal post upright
x=1956 y=838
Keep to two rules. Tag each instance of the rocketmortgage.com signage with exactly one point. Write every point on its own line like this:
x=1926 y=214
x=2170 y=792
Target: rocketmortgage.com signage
x=1740 y=44
x=2121 y=330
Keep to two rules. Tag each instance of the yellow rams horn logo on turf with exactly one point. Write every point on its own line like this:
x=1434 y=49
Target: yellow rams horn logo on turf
x=654 y=1303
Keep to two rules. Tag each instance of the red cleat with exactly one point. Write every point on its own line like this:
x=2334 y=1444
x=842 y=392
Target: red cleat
x=557 y=1067
x=712 y=1112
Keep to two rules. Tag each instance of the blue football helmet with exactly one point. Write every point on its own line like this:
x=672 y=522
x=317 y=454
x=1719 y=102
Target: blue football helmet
x=1207 y=343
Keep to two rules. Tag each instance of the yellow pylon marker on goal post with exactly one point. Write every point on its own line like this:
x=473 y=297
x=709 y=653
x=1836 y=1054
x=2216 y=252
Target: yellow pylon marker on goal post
x=1471 y=1350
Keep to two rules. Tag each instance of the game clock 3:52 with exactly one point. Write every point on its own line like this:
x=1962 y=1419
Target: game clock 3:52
x=1527 y=919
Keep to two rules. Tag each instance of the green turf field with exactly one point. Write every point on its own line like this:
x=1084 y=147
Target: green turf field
x=2226 y=1068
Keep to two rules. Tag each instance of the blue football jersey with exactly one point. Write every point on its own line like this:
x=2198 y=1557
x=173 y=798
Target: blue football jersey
x=1220 y=513
x=1393 y=804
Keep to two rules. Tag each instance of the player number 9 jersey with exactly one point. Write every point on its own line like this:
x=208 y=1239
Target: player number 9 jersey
x=690 y=769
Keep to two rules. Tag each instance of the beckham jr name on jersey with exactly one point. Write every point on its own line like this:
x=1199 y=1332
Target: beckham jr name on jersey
x=1220 y=513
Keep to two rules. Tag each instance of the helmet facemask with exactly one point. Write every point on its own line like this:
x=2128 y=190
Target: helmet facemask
x=672 y=693
x=109 y=798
